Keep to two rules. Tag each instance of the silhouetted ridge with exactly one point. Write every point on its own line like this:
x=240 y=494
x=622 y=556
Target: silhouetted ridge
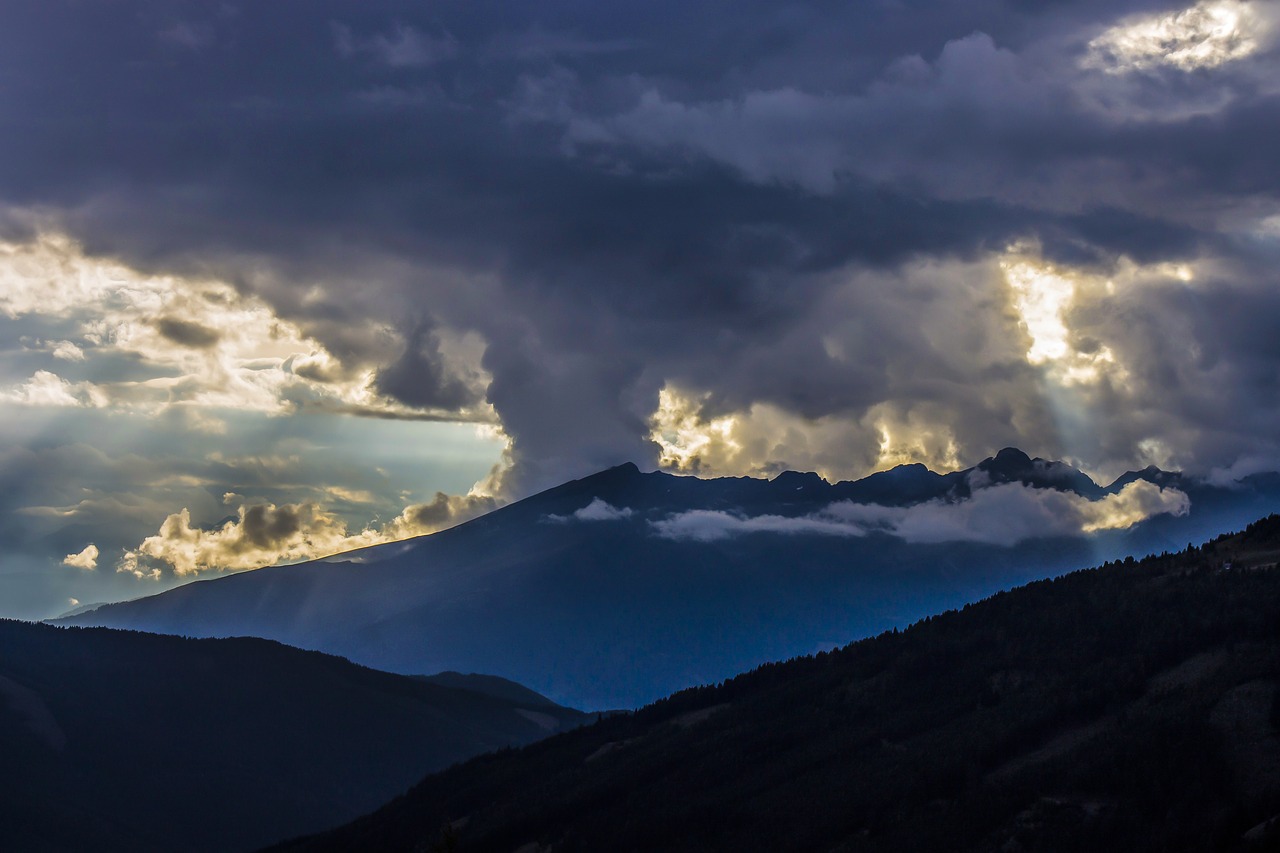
x=490 y=685
x=1011 y=458
x=899 y=486
x=124 y=741
x=799 y=480
x=1151 y=474
x=1011 y=465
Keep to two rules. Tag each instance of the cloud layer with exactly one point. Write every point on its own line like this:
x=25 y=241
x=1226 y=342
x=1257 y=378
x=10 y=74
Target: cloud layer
x=1004 y=514
x=726 y=238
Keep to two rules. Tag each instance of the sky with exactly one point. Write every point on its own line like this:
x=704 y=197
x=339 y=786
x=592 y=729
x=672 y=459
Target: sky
x=282 y=279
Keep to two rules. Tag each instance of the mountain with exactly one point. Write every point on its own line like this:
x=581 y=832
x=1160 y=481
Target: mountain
x=121 y=741
x=619 y=588
x=490 y=685
x=1132 y=707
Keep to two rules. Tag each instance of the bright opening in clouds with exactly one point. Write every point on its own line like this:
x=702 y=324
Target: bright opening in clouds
x=1206 y=35
x=685 y=437
x=1043 y=296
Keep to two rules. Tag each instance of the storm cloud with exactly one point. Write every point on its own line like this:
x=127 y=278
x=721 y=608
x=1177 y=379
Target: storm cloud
x=723 y=238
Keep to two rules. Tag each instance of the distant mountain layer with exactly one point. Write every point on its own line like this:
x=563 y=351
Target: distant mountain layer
x=1134 y=707
x=120 y=741
x=622 y=587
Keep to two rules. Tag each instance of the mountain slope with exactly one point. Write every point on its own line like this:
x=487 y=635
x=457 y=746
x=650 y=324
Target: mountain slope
x=117 y=740
x=578 y=593
x=1133 y=707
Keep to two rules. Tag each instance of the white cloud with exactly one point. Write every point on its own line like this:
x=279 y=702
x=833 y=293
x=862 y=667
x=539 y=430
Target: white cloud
x=601 y=510
x=67 y=351
x=49 y=389
x=1001 y=515
x=86 y=559
x=704 y=525
x=598 y=510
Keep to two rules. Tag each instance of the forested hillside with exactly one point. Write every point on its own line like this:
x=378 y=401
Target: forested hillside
x=1130 y=707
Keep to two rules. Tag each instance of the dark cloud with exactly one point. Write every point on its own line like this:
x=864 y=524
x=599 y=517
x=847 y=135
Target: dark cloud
x=267 y=526
x=447 y=510
x=420 y=377
x=187 y=333
x=799 y=207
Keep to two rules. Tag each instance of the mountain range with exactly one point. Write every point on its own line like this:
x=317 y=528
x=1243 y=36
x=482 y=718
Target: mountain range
x=622 y=587
x=123 y=741
x=1130 y=707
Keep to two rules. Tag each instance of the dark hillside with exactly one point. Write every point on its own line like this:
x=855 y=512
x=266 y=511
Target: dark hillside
x=115 y=740
x=1130 y=707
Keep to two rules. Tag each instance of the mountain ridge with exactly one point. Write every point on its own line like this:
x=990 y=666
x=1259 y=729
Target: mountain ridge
x=607 y=608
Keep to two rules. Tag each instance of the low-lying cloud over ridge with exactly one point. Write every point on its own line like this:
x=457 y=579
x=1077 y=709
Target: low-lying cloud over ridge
x=597 y=510
x=1004 y=514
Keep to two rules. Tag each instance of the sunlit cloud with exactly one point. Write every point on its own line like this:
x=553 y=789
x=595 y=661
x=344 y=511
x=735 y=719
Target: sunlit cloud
x=65 y=350
x=685 y=437
x=765 y=439
x=48 y=389
x=1206 y=35
x=266 y=534
x=86 y=559
x=1043 y=295
x=1004 y=514
x=760 y=440
x=196 y=343
x=261 y=535
x=911 y=439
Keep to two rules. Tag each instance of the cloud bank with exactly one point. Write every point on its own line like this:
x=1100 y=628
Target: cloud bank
x=1004 y=514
